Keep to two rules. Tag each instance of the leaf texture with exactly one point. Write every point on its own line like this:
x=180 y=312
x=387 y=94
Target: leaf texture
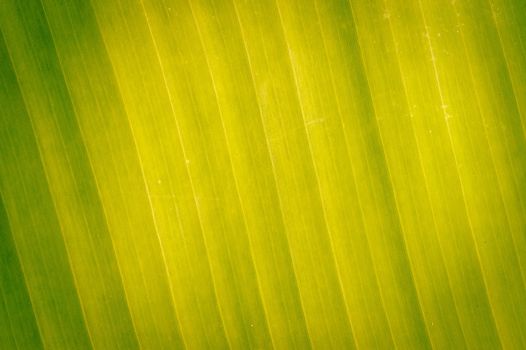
x=267 y=174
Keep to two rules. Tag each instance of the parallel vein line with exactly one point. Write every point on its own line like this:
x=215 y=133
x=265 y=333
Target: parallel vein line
x=146 y=188
x=346 y=137
x=426 y=181
x=391 y=181
x=26 y=284
x=508 y=70
x=232 y=169
x=43 y=163
x=318 y=185
x=450 y=138
x=491 y=152
x=2 y=290
x=274 y=178
x=479 y=107
x=183 y=150
x=2 y=198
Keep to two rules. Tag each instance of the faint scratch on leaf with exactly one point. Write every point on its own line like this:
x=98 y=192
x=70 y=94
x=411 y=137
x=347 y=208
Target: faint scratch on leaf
x=315 y=121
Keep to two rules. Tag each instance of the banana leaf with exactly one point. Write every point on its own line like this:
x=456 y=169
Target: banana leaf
x=262 y=174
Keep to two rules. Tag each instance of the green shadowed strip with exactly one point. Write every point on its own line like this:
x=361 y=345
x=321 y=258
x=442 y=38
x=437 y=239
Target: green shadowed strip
x=18 y=327
x=80 y=215
x=509 y=18
x=34 y=225
x=117 y=144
